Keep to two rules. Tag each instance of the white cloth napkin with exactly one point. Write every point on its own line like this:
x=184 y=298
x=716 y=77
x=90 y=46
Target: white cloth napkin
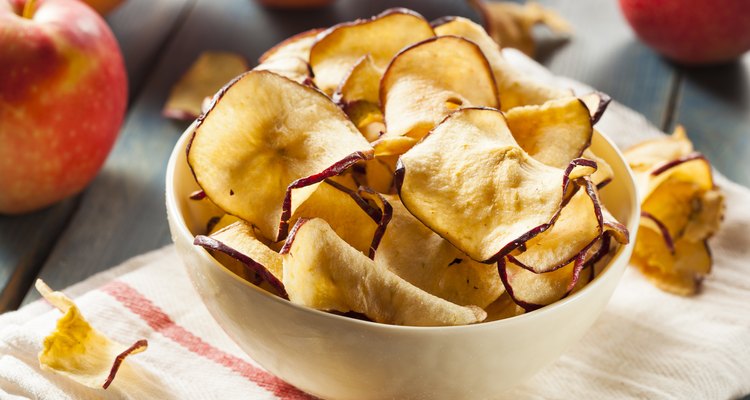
x=646 y=344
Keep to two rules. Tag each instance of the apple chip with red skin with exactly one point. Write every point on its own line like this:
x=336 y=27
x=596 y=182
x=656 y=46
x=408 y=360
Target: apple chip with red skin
x=204 y=78
x=423 y=258
x=297 y=46
x=77 y=350
x=681 y=209
x=237 y=248
x=676 y=267
x=340 y=47
x=322 y=271
x=429 y=80
x=471 y=183
x=265 y=136
x=515 y=87
x=353 y=219
x=579 y=224
x=554 y=133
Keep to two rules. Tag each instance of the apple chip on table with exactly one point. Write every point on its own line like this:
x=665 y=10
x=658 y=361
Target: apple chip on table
x=681 y=209
x=416 y=196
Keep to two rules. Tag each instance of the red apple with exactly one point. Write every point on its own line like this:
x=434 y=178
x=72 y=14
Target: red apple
x=63 y=93
x=692 y=32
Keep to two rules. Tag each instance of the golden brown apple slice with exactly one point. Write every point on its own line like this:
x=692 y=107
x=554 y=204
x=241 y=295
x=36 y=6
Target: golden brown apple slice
x=323 y=272
x=423 y=258
x=204 y=78
x=265 y=136
x=239 y=242
x=429 y=80
x=676 y=267
x=554 y=133
x=349 y=215
x=295 y=46
x=470 y=182
x=362 y=83
x=341 y=46
x=580 y=223
x=515 y=87
x=646 y=154
x=293 y=68
x=79 y=351
x=604 y=172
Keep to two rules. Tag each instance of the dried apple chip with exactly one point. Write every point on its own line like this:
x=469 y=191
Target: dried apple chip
x=676 y=267
x=205 y=77
x=293 y=68
x=471 y=183
x=646 y=154
x=238 y=242
x=362 y=83
x=554 y=133
x=515 y=87
x=423 y=258
x=579 y=225
x=604 y=173
x=265 y=136
x=429 y=80
x=322 y=271
x=341 y=46
x=349 y=215
x=78 y=351
x=296 y=46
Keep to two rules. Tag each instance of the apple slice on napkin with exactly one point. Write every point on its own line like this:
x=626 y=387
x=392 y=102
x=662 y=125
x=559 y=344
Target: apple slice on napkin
x=265 y=136
x=77 y=350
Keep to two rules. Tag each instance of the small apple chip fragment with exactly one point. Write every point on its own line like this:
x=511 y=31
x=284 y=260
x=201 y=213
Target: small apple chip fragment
x=77 y=350
x=265 y=136
x=323 y=272
x=340 y=47
x=204 y=78
x=470 y=182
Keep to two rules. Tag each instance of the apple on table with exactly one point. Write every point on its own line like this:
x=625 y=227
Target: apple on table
x=63 y=94
x=692 y=32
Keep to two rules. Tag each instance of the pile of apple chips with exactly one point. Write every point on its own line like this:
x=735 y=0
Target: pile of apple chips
x=403 y=172
x=681 y=209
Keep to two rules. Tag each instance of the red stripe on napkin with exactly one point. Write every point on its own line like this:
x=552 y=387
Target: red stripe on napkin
x=160 y=322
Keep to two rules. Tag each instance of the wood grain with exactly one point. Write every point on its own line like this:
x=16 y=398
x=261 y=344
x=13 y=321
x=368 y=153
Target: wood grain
x=605 y=54
x=26 y=241
x=714 y=107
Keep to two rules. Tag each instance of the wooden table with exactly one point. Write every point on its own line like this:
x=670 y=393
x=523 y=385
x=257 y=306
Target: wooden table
x=122 y=213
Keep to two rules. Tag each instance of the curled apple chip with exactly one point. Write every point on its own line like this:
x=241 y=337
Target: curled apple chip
x=470 y=182
x=341 y=46
x=554 y=133
x=645 y=155
x=579 y=224
x=204 y=78
x=293 y=68
x=323 y=272
x=77 y=350
x=429 y=80
x=297 y=46
x=423 y=258
x=362 y=83
x=348 y=214
x=514 y=87
x=604 y=172
x=265 y=136
x=674 y=266
x=237 y=247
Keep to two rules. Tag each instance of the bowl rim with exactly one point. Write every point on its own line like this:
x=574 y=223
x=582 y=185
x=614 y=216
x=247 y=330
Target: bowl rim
x=173 y=209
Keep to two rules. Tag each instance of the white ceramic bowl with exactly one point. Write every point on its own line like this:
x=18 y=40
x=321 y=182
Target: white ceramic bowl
x=335 y=357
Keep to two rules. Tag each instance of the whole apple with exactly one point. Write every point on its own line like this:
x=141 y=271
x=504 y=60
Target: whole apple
x=692 y=31
x=63 y=93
